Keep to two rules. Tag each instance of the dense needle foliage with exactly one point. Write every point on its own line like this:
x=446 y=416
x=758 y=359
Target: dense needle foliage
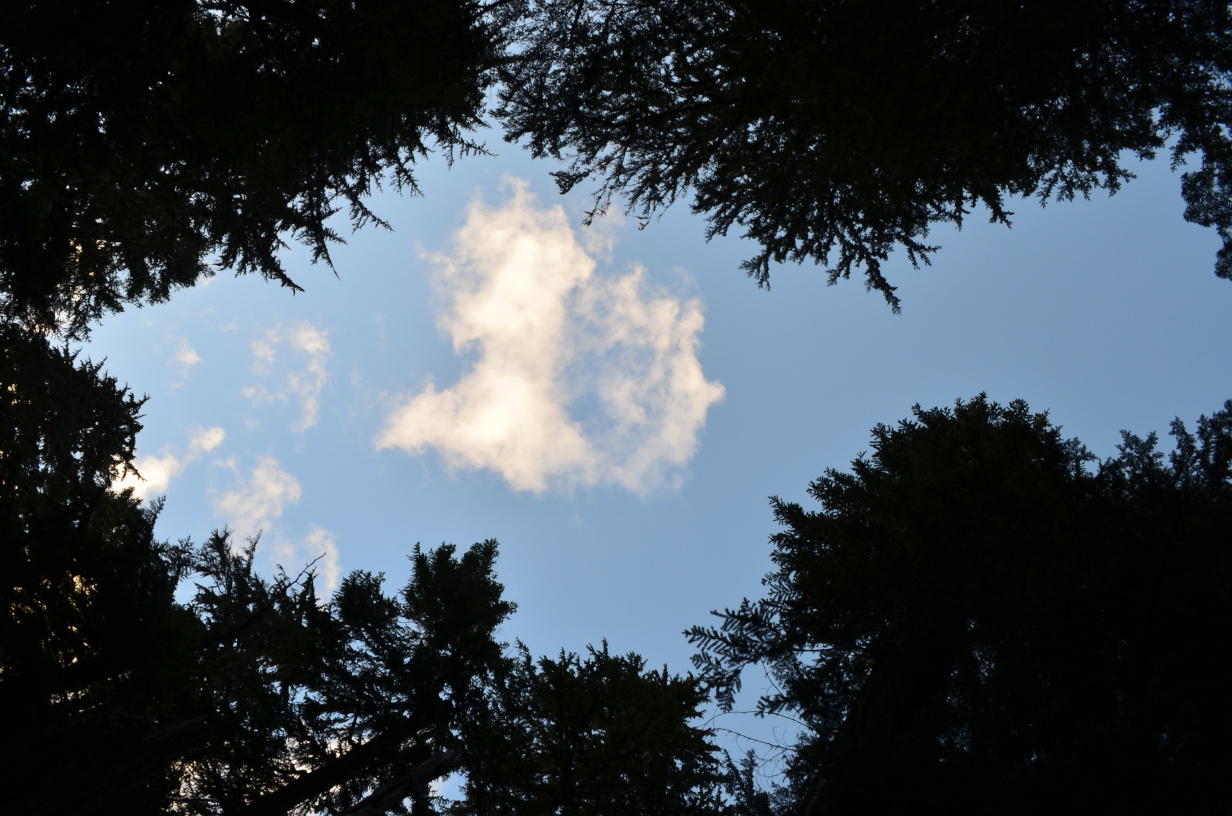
x=837 y=131
x=979 y=619
x=252 y=695
x=141 y=141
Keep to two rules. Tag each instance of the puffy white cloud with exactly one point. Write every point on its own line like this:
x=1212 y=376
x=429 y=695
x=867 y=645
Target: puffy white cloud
x=158 y=471
x=579 y=378
x=255 y=503
x=320 y=546
x=302 y=384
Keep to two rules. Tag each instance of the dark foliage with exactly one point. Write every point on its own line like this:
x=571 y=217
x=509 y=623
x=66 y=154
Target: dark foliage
x=89 y=628
x=87 y=591
x=142 y=140
x=594 y=736
x=320 y=705
x=976 y=621
x=254 y=696
x=838 y=131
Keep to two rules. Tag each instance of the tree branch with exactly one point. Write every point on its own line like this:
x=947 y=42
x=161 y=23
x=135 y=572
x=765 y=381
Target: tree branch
x=387 y=796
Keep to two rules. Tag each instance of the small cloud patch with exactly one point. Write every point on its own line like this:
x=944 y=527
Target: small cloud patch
x=185 y=358
x=304 y=377
x=256 y=502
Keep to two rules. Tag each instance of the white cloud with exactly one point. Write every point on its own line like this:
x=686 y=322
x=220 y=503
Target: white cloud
x=320 y=546
x=579 y=378
x=303 y=384
x=257 y=502
x=205 y=440
x=254 y=504
x=158 y=471
x=185 y=358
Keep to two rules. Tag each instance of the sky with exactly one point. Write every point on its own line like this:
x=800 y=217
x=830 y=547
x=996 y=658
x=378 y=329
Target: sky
x=615 y=405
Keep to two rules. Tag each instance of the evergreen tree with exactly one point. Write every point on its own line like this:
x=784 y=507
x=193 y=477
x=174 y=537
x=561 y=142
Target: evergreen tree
x=254 y=696
x=92 y=646
x=595 y=736
x=838 y=131
x=343 y=705
x=977 y=621
x=142 y=141
x=87 y=590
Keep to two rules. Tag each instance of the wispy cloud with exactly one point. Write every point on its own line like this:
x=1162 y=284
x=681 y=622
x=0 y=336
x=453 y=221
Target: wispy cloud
x=256 y=502
x=185 y=358
x=303 y=383
x=580 y=378
x=158 y=471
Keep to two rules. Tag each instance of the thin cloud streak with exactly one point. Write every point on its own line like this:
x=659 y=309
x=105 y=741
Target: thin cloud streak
x=303 y=385
x=580 y=378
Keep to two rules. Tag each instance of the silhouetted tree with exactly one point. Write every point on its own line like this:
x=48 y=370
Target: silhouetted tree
x=254 y=696
x=838 y=131
x=87 y=591
x=141 y=141
x=976 y=621
x=92 y=646
x=342 y=705
x=594 y=736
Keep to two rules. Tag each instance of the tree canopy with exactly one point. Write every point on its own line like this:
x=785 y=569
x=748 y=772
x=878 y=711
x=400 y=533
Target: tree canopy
x=87 y=589
x=978 y=614
x=976 y=620
x=143 y=145
x=142 y=141
x=251 y=695
x=825 y=131
x=598 y=735
x=837 y=131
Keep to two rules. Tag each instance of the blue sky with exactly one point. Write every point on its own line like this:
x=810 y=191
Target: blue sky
x=614 y=405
